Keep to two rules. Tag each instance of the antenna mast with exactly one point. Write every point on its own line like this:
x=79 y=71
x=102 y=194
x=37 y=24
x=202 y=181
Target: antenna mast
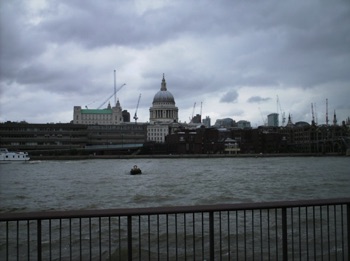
x=316 y=116
x=327 y=112
x=283 y=115
x=115 y=89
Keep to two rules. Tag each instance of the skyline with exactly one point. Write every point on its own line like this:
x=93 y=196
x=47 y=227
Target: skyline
x=235 y=58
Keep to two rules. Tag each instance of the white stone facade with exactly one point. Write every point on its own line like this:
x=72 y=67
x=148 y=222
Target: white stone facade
x=157 y=132
x=108 y=116
x=163 y=108
x=163 y=114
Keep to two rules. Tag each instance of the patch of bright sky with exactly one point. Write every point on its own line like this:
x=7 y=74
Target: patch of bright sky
x=143 y=6
x=35 y=8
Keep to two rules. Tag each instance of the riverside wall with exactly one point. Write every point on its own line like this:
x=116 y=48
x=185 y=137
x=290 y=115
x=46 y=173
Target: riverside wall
x=178 y=156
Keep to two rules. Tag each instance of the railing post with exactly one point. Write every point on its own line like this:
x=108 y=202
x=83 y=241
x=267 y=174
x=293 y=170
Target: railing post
x=284 y=234
x=39 y=240
x=211 y=235
x=129 y=238
x=348 y=227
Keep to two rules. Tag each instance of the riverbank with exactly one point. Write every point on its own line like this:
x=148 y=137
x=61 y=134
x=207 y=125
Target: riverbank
x=176 y=156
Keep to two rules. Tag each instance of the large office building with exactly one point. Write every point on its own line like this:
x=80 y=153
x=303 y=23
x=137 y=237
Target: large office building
x=243 y=124
x=207 y=122
x=272 y=120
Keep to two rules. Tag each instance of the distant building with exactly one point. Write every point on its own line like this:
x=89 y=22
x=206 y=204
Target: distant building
x=206 y=122
x=157 y=132
x=290 y=123
x=195 y=141
x=126 y=116
x=225 y=123
x=67 y=138
x=231 y=146
x=243 y=124
x=107 y=116
x=301 y=124
x=197 y=119
x=272 y=120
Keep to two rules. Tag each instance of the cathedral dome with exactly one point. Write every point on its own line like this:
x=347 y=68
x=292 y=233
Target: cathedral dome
x=163 y=109
x=163 y=95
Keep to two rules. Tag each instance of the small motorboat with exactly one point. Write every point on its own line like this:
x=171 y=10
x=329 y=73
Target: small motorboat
x=135 y=170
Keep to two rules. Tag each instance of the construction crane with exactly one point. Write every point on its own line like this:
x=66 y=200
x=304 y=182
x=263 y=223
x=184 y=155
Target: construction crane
x=313 y=114
x=283 y=115
x=194 y=106
x=262 y=117
x=86 y=106
x=137 y=106
x=327 y=112
x=316 y=115
x=114 y=93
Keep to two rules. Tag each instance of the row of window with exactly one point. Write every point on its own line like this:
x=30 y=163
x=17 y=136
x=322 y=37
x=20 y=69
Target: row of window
x=158 y=130
x=96 y=116
x=155 y=135
x=94 y=122
x=39 y=143
x=14 y=156
x=40 y=129
x=157 y=139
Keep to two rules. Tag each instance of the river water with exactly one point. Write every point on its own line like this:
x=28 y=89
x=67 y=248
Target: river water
x=104 y=184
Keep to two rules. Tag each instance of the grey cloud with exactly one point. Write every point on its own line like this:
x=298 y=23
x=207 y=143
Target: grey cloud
x=257 y=99
x=41 y=76
x=229 y=97
x=20 y=41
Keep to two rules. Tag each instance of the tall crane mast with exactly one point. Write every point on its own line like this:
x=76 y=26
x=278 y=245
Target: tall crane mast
x=262 y=117
x=316 y=115
x=115 y=88
x=283 y=115
x=137 y=106
x=194 y=106
x=327 y=112
x=313 y=114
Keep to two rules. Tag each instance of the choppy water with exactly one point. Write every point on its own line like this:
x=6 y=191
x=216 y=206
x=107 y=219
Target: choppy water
x=100 y=184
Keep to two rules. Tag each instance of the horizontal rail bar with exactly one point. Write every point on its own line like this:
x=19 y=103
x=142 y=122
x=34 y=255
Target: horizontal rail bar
x=168 y=210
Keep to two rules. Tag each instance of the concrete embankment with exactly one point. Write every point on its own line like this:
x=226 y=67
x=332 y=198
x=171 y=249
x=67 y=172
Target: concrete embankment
x=177 y=156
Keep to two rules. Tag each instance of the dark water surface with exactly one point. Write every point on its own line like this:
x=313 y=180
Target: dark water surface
x=101 y=184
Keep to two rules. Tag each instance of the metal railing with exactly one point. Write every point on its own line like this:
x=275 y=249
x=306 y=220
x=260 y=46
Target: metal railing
x=292 y=230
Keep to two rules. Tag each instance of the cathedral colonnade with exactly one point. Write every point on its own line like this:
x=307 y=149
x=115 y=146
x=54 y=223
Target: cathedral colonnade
x=164 y=114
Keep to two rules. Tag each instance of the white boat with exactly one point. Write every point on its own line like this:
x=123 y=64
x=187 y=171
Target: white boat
x=8 y=156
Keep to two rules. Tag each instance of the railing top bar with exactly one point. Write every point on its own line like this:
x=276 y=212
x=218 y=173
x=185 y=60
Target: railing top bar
x=169 y=210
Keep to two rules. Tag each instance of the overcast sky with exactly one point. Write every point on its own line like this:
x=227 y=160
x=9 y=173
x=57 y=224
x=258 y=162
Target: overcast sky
x=233 y=57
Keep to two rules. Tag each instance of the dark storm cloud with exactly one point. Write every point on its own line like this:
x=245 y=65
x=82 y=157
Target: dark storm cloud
x=257 y=99
x=18 y=41
x=201 y=46
x=55 y=80
x=284 y=42
x=111 y=23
